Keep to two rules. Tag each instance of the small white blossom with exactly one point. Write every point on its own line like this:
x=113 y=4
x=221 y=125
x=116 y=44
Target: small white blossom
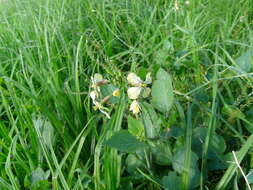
x=176 y=5
x=97 y=81
x=97 y=105
x=133 y=79
x=138 y=86
x=93 y=95
x=134 y=92
x=135 y=107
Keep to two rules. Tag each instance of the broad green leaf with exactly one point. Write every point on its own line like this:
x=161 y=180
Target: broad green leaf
x=126 y=185
x=135 y=127
x=250 y=177
x=219 y=163
x=178 y=160
x=133 y=163
x=125 y=141
x=150 y=120
x=173 y=131
x=172 y=181
x=194 y=178
x=107 y=90
x=162 y=92
x=162 y=53
x=162 y=153
x=245 y=61
x=217 y=145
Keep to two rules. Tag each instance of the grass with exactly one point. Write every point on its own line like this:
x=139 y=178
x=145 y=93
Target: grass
x=50 y=138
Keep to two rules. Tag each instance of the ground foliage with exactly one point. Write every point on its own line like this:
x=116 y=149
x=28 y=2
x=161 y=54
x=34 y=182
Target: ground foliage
x=199 y=54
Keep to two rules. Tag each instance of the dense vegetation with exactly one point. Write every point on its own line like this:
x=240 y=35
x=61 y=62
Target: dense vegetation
x=192 y=131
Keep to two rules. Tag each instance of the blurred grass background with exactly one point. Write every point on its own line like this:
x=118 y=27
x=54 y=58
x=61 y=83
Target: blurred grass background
x=49 y=50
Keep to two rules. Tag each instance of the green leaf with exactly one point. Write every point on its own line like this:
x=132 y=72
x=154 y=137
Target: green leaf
x=162 y=153
x=217 y=145
x=220 y=163
x=226 y=178
x=162 y=92
x=194 y=178
x=46 y=129
x=142 y=73
x=150 y=120
x=107 y=90
x=162 y=53
x=38 y=175
x=245 y=61
x=126 y=185
x=173 y=131
x=172 y=181
x=37 y=179
x=193 y=171
x=135 y=127
x=124 y=141
x=232 y=112
x=133 y=163
x=178 y=160
x=250 y=177
x=48 y=133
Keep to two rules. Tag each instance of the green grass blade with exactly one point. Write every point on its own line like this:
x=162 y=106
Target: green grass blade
x=188 y=144
x=211 y=128
x=222 y=185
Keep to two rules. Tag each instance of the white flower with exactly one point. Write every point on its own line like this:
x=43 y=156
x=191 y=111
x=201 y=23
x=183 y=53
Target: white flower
x=133 y=79
x=93 y=95
x=176 y=6
x=135 y=107
x=97 y=81
x=138 y=86
x=98 y=105
x=134 y=92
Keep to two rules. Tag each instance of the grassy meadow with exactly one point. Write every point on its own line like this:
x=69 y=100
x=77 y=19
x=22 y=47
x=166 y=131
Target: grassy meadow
x=67 y=66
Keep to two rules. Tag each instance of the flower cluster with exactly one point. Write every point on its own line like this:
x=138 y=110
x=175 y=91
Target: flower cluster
x=139 y=88
x=98 y=101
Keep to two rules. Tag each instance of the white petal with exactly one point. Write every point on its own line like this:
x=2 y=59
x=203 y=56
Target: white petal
x=148 y=78
x=133 y=79
x=135 y=107
x=93 y=95
x=146 y=92
x=134 y=92
x=96 y=78
x=101 y=108
x=105 y=113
